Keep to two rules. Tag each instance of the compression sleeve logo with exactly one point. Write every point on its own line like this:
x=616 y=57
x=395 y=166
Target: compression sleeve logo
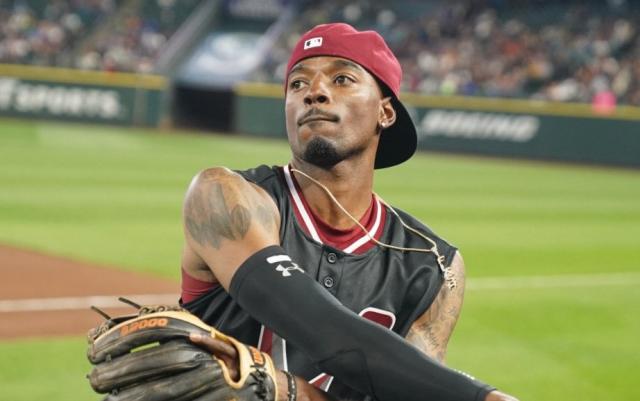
x=285 y=265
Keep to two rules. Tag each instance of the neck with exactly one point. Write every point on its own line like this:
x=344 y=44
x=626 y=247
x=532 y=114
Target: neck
x=351 y=186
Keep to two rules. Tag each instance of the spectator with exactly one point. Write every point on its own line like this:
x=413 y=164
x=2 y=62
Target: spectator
x=488 y=48
x=573 y=51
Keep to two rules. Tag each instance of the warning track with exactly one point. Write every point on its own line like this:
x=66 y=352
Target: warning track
x=43 y=295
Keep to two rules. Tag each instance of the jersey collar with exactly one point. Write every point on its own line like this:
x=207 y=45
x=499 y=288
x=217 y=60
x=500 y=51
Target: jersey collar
x=352 y=240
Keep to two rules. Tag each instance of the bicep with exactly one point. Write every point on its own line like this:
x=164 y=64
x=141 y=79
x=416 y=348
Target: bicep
x=227 y=219
x=431 y=331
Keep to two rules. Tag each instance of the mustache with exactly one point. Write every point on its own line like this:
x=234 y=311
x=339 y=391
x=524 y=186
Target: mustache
x=317 y=114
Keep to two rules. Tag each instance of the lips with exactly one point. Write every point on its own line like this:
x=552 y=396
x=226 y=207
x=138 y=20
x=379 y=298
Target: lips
x=317 y=115
x=313 y=119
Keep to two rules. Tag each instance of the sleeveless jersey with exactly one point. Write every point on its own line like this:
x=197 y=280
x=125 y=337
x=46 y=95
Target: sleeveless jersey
x=390 y=287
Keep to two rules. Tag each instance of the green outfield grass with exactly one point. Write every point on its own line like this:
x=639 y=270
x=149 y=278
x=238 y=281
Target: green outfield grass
x=113 y=196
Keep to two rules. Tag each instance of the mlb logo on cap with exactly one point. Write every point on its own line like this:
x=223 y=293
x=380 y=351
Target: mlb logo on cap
x=313 y=42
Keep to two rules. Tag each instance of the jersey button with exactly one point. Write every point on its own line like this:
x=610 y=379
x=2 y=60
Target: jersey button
x=332 y=257
x=328 y=282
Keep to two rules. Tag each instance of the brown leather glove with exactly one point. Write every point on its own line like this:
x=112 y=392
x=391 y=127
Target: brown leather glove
x=148 y=357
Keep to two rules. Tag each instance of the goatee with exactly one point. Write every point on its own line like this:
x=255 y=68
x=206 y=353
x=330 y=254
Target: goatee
x=322 y=153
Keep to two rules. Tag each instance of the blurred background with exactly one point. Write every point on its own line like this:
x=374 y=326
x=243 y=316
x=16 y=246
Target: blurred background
x=531 y=78
x=528 y=116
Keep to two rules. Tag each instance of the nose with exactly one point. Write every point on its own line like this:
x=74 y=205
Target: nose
x=317 y=92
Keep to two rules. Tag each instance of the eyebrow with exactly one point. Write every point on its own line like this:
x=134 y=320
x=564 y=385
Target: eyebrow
x=346 y=63
x=296 y=68
x=340 y=63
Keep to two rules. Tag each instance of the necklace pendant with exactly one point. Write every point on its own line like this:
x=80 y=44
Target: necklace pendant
x=449 y=276
x=450 y=279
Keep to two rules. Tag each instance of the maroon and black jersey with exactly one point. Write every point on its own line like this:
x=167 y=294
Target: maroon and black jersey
x=390 y=287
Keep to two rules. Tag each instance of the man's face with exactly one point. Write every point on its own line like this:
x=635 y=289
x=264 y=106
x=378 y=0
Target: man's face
x=334 y=108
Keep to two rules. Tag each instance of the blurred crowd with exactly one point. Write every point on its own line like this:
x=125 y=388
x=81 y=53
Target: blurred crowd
x=586 y=51
x=112 y=35
x=46 y=32
x=134 y=40
x=578 y=51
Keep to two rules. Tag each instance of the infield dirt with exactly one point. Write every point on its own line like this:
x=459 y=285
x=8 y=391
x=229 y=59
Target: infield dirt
x=43 y=295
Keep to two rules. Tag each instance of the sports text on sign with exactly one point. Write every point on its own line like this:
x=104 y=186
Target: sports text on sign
x=313 y=42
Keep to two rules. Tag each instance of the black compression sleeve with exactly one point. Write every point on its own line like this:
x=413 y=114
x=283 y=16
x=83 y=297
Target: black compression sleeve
x=362 y=354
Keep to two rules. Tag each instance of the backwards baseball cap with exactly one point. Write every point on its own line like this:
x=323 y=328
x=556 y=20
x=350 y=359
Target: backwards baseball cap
x=369 y=50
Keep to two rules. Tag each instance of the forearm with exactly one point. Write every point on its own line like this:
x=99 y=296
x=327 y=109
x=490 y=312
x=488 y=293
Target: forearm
x=431 y=332
x=304 y=390
x=362 y=354
x=228 y=223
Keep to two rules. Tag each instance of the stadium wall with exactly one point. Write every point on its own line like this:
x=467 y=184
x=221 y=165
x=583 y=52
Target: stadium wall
x=498 y=127
x=85 y=96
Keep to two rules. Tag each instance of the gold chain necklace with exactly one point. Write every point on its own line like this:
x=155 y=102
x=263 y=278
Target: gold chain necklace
x=449 y=275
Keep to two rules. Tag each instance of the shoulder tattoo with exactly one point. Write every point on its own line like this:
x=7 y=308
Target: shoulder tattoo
x=215 y=210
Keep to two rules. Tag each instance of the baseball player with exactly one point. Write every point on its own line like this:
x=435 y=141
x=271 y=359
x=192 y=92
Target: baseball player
x=353 y=297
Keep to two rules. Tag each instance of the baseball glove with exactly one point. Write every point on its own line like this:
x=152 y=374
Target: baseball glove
x=147 y=356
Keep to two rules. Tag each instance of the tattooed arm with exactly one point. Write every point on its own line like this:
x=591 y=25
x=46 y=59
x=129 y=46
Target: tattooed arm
x=431 y=331
x=229 y=222
x=226 y=219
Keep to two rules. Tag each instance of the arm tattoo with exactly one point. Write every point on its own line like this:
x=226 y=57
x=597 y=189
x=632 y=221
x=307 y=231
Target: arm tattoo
x=266 y=217
x=208 y=218
x=425 y=334
x=431 y=332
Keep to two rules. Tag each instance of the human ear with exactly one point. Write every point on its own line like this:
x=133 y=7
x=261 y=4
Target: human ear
x=387 y=115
